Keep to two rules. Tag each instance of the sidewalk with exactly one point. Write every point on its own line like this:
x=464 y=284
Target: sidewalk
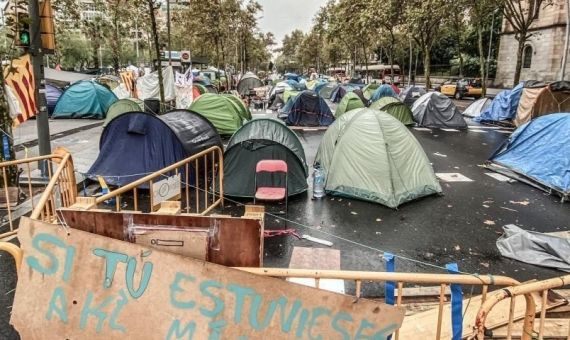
x=82 y=143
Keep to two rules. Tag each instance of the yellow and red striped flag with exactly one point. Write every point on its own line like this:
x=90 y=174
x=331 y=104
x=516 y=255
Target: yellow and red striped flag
x=19 y=76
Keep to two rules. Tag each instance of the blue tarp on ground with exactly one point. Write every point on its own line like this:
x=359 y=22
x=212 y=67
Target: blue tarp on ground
x=52 y=96
x=503 y=107
x=383 y=91
x=309 y=109
x=84 y=99
x=540 y=150
x=136 y=143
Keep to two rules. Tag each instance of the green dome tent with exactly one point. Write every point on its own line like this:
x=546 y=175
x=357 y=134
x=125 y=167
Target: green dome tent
x=369 y=155
x=123 y=106
x=395 y=108
x=222 y=110
x=349 y=102
x=257 y=140
x=369 y=90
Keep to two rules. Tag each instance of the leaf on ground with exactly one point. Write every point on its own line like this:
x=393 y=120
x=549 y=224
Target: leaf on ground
x=525 y=202
x=457 y=247
x=489 y=222
x=354 y=212
x=484 y=264
x=486 y=206
x=378 y=220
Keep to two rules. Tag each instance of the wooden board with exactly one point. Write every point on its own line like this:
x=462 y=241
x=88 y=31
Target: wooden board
x=425 y=323
x=78 y=285
x=233 y=242
x=553 y=329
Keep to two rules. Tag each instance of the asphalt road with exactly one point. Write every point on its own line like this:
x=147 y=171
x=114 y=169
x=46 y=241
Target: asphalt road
x=460 y=226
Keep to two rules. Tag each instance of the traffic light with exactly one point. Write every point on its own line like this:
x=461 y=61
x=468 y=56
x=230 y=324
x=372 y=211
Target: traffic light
x=23 y=30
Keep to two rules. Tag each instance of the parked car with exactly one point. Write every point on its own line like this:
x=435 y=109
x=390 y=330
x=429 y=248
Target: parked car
x=461 y=88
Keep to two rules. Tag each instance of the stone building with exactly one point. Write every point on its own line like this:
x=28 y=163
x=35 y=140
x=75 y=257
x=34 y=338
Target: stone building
x=542 y=56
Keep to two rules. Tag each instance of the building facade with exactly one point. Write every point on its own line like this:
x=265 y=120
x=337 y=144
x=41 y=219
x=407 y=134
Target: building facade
x=543 y=52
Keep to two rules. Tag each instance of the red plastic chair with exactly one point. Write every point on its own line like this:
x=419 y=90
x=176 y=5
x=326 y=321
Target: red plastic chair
x=265 y=193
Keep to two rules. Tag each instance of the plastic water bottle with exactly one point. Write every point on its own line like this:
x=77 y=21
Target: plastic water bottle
x=318 y=182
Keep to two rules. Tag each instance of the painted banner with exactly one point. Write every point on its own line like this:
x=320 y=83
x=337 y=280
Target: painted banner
x=77 y=285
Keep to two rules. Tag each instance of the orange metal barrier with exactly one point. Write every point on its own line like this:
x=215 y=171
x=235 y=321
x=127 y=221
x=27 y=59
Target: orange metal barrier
x=442 y=280
x=207 y=192
x=527 y=289
x=60 y=191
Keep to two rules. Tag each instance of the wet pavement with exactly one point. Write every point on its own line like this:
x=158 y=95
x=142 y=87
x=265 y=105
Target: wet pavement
x=462 y=225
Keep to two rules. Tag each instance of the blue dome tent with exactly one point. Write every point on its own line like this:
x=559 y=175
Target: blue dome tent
x=538 y=153
x=503 y=107
x=52 y=96
x=84 y=99
x=383 y=91
x=339 y=92
x=134 y=144
x=309 y=109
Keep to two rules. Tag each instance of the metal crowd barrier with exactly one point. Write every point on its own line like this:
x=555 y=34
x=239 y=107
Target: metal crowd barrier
x=60 y=188
x=201 y=177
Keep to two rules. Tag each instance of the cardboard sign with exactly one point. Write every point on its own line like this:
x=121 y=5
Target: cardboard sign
x=166 y=189
x=77 y=285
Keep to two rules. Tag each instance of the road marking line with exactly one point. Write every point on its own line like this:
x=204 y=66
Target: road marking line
x=452 y=177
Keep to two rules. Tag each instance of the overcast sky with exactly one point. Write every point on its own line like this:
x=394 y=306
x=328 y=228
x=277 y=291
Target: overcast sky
x=283 y=16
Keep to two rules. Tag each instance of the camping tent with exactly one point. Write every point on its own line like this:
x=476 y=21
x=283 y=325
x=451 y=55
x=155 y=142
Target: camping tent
x=52 y=95
x=292 y=76
x=84 y=99
x=257 y=140
x=477 y=107
x=395 y=108
x=435 y=110
x=350 y=102
x=383 y=91
x=411 y=94
x=503 y=107
x=341 y=91
x=369 y=155
x=123 y=106
x=248 y=82
x=326 y=90
x=370 y=89
x=64 y=78
x=276 y=101
x=109 y=80
x=538 y=153
x=309 y=109
x=225 y=111
x=537 y=101
x=136 y=143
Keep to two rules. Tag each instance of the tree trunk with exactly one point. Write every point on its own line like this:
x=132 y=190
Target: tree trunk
x=391 y=55
x=157 y=51
x=427 y=68
x=481 y=59
x=365 y=62
x=518 y=67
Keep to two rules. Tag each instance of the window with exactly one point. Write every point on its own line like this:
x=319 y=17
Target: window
x=527 y=56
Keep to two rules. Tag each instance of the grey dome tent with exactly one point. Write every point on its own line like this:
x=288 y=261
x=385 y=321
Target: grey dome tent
x=257 y=140
x=435 y=110
x=248 y=82
x=411 y=94
x=477 y=107
x=136 y=143
x=369 y=155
